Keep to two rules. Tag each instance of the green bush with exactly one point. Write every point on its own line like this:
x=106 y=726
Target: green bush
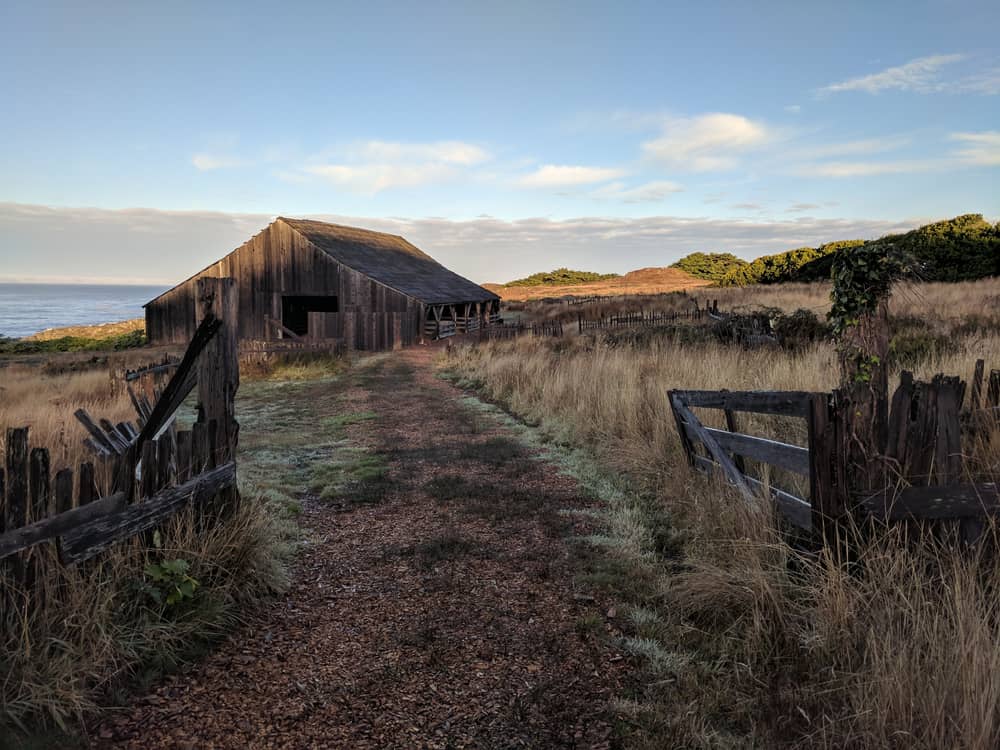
x=130 y=340
x=561 y=277
x=711 y=266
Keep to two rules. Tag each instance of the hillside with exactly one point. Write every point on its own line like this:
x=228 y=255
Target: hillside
x=641 y=281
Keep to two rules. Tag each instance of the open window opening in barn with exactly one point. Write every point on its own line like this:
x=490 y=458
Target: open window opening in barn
x=295 y=310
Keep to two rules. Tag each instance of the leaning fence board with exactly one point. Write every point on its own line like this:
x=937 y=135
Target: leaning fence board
x=87 y=540
x=782 y=403
x=797 y=511
x=783 y=455
x=732 y=473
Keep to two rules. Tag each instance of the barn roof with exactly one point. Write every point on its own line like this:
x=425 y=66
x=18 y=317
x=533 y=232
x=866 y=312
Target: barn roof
x=390 y=260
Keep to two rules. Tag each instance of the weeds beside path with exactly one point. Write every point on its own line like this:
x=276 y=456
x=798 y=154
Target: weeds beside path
x=434 y=604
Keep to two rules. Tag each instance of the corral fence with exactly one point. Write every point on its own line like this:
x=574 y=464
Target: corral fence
x=921 y=470
x=152 y=468
x=516 y=330
x=261 y=352
x=648 y=318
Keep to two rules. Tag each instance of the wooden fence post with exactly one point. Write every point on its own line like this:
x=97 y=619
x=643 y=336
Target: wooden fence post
x=218 y=381
x=218 y=365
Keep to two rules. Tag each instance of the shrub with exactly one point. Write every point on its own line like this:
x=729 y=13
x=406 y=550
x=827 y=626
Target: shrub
x=561 y=277
x=799 y=329
x=711 y=266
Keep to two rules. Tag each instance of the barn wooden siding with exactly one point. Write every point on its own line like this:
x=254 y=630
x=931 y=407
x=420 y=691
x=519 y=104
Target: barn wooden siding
x=280 y=261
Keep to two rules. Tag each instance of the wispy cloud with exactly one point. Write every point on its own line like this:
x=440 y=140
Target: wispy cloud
x=447 y=152
x=648 y=192
x=370 y=167
x=208 y=162
x=559 y=175
x=369 y=179
x=870 y=168
x=710 y=142
x=923 y=76
x=979 y=149
x=798 y=208
x=853 y=148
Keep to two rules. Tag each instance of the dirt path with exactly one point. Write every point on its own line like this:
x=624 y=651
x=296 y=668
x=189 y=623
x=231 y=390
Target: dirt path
x=438 y=612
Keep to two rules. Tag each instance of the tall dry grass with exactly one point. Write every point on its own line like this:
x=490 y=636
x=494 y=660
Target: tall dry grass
x=45 y=403
x=745 y=640
x=94 y=630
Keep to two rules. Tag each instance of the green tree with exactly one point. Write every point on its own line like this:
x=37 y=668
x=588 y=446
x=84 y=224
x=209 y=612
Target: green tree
x=711 y=266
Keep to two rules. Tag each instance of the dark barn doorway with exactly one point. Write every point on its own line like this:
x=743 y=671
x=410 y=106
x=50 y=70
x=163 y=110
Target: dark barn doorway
x=295 y=310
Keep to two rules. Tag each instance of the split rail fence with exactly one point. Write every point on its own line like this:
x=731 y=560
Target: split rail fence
x=921 y=470
x=151 y=468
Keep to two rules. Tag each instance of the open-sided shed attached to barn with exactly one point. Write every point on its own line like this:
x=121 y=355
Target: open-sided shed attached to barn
x=313 y=280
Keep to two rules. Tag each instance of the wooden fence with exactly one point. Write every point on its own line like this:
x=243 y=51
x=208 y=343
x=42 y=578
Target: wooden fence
x=921 y=470
x=262 y=352
x=642 y=318
x=516 y=330
x=152 y=470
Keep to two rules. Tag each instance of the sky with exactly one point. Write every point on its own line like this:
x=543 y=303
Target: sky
x=141 y=141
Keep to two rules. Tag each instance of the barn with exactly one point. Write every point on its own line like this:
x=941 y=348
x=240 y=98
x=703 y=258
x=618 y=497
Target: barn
x=300 y=279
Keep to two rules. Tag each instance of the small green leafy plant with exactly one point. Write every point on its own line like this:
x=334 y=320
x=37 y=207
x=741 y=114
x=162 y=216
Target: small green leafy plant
x=168 y=583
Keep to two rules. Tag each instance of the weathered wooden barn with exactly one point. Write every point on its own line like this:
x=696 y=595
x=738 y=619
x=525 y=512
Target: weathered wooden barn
x=318 y=281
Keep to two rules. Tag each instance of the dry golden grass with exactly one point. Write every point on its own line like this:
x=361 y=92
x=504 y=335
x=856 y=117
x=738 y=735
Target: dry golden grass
x=643 y=281
x=102 y=331
x=45 y=404
x=747 y=642
x=930 y=301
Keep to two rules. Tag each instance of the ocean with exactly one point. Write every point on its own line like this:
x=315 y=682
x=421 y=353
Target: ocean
x=29 y=308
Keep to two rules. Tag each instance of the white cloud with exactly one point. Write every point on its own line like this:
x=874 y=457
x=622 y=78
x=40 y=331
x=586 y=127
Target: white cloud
x=555 y=175
x=369 y=179
x=710 y=142
x=648 y=192
x=921 y=75
x=870 y=168
x=372 y=166
x=979 y=149
x=852 y=148
x=448 y=152
x=207 y=162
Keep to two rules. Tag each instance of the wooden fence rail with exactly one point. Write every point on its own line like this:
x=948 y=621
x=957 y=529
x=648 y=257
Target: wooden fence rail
x=922 y=470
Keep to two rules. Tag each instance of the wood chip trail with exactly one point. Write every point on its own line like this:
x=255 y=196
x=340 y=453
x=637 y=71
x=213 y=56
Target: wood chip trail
x=444 y=614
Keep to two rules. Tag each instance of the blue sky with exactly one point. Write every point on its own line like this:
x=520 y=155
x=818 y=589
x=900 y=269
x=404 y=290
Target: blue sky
x=543 y=131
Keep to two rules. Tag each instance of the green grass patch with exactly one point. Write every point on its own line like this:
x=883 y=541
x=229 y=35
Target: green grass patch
x=130 y=340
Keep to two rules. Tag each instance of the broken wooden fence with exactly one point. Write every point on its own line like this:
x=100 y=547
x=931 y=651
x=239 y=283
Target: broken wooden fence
x=151 y=468
x=920 y=466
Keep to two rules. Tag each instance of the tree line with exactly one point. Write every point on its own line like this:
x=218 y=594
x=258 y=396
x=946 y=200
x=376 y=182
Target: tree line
x=960 y=249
